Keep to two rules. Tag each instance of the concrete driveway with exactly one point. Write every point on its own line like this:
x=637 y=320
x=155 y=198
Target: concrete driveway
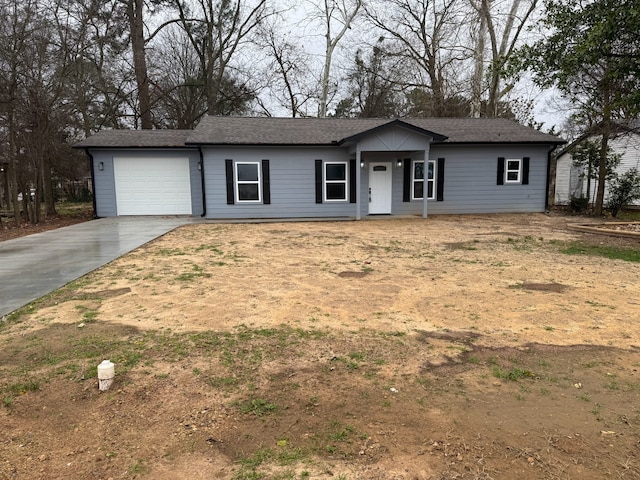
x=33 y=266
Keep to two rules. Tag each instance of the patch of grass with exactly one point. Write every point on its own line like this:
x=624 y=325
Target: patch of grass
x=138 y=468
x=283 y=456
x=286 y=456
x=89 y=315
x=211 y=248
x=223 y=382
x=206 y=341
x=23 y=387
x=598 y=304
x=352 y=365
x=358 y=356
x=524 y=244
x=197 y=272
x=340 y=433
x=513 y=374
x=257 y=458
x=606 y=251
x=171 y=252
x=258 y=407
x=128 y=359
x=92 y=346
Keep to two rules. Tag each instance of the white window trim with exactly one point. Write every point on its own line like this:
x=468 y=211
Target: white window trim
x=425 y=181
x=238 y=182
x=327 y=182
x=507 y=170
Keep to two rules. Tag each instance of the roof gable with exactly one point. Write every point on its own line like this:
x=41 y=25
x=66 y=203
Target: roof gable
x=397 y=122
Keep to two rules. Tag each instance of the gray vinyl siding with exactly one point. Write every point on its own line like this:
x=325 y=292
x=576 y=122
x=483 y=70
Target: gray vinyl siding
x=469 y=187
x=105 y=191
x=470 y=181
x=292 y=179
x=105 y=185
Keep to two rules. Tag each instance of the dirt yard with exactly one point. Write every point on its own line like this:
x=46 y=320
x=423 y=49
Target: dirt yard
x=460 y=347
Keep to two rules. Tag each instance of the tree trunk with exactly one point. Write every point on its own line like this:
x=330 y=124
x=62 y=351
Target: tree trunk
x=602 y=166
x=47 y=188
x=324 y=96
x=136 y=25
x=478 y=74
x=12 y=173
x=347 y=18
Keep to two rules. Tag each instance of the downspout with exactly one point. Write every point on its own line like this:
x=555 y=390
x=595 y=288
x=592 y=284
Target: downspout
x=548 y=183
x=204 y=193
x=358 y=180
x=93 y=182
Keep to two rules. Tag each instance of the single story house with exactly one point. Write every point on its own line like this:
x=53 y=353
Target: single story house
x=572 y=180
x=259 y=168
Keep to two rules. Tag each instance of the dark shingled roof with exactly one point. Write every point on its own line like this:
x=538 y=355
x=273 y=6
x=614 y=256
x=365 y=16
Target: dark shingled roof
x=214 y=130
x=136 y=139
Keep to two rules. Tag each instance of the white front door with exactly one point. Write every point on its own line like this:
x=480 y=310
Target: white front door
x=380 y=187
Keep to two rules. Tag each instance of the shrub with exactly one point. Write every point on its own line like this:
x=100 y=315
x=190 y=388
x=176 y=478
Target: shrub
x=623 y=190
x=579 y=204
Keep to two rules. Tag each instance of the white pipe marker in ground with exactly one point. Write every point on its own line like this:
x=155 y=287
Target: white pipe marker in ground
x=106 y=373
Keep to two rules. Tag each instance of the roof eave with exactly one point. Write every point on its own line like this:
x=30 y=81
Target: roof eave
x=260 y=144
x=131 y=147
x=518 y=142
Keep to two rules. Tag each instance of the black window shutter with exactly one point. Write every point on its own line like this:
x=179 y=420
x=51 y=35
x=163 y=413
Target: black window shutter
x=440 y=180
x=228 y=164
x=266 y=183
x=525 y=171
x=500 y=171
x=318 y=181
x=352 y=181
x=406 y=181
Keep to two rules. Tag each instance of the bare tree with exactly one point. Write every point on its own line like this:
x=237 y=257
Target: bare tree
x=503 y=31
x=336 y=18
x=16 y=29
x=94 y=42
x=179 y=94
x=375 y=85
x=428 y=35
x=289 y=78
x=217 y=30
x=135 y=13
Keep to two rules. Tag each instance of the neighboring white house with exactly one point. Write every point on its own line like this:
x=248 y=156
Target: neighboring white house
x=571 y=181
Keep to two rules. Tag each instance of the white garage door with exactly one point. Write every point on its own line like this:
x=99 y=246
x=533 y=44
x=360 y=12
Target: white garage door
x=152 y=186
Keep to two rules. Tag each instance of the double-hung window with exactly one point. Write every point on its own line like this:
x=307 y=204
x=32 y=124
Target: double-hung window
x=512 y=170
x=248 y=185
x=335 y=181
x=419 y=177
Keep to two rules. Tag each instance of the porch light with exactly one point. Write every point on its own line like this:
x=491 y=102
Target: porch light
x=398 y=163
x=362 y=164
x=100 y=165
